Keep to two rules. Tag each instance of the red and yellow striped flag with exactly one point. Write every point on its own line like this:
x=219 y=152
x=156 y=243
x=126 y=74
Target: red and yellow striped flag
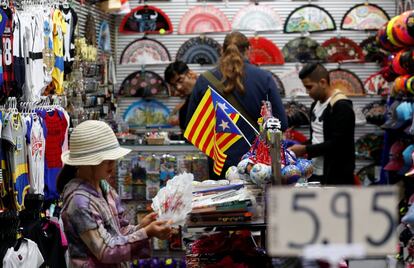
x=212 y=130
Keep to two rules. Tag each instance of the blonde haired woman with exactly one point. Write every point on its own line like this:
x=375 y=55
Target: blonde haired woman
x=97 y=233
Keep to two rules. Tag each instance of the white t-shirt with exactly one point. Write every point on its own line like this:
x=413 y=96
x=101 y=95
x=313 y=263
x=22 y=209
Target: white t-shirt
x=36 y=154
x=28 y=255
x=317 y=134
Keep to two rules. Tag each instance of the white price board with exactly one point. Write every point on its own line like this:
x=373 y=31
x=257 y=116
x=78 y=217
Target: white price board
x=299 y=217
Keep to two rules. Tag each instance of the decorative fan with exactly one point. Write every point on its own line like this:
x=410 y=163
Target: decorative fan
x=263 y=51
x=343 y=49
x=203 y=19
x=372 y=51
x=309 y=18
x=279 y=84
x=147 y=113
x=201 y=50
x=375 y=84
x=303 y=49
x=146 y=19
x=292 y=84
x=364 y=17
x=145 y=51
x=257 y=18
x=143 y=84
x=347 y=82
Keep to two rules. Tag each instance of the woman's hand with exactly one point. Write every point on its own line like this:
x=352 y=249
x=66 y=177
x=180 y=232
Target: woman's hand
x=159 y=229
x=148 y=219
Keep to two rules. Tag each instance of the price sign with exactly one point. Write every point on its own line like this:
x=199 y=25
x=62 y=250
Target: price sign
x=300 y=217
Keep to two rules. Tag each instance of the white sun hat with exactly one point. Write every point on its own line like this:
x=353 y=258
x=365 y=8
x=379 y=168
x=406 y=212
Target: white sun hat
x=92 y=142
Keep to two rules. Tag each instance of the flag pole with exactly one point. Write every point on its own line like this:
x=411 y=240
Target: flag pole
x=247 y=121
x=217 y=106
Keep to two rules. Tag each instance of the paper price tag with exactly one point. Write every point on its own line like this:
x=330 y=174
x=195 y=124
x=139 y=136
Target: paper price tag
x=300 y=217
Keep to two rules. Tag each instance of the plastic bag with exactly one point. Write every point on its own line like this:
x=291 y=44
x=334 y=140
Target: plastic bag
x=173 y=202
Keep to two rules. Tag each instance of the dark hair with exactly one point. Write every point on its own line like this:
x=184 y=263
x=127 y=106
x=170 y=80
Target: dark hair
x=315 y=72
x=173 y=69
x=232 y=62
x=67 y=173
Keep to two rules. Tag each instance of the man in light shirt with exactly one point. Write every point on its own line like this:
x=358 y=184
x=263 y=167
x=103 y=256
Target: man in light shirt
x=331 y=143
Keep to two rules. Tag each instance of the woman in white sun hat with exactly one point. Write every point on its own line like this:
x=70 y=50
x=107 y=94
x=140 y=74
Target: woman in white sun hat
x=98 y=235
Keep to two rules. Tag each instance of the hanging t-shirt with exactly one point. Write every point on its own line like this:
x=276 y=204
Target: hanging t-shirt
x=19 y=65
x=55 y=130
x=71 y=19
x=59 y=29
x=14 y=132
x=48 y=237
x=33 y=33
x=48 y=55
x=317 y=133
x=3 y=21
x=28 y=255
x=9 y=86
x=36 y=153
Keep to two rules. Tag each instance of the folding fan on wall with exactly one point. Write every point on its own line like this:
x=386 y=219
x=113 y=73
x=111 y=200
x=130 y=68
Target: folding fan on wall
x=364 y=17
x=143 y=84
x=309 y=18
x=347 y=81
x=257 y=18
x=343 y=49
x=203 y=19
x=145 y=51
x=263 y=51
x=201 y=50
x=372 y=51
x=303 y=49
x=146 y=19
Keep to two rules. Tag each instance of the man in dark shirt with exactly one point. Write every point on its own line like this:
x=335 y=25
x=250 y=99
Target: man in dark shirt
x=331 y=143
x=181 y=81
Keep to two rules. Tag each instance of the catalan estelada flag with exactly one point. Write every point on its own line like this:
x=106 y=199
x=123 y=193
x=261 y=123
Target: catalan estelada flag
x=212 y=128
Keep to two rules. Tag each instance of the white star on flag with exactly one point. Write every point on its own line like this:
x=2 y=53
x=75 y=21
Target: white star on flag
x=222 y=105
x=224 y=125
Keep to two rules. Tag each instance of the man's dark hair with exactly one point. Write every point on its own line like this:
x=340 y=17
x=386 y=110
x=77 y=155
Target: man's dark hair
x=315 y=72
x=173 y=69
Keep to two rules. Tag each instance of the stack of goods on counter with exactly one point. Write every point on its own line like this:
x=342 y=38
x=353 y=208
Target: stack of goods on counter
x=221 y=204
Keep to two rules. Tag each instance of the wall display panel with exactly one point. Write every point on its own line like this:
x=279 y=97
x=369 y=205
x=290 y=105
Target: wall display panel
x=177 y=8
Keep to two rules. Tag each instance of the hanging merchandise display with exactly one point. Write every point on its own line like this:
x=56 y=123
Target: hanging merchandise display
x=304 y=49
x=201 y=50
x=297 y=114
x=143 y=84
x=346 y=81
x=104 y=37
x=147 y=114
x=372 y=51
x=146 y=19
x=375 y=84
x=343 y=49
x=71 y=20
x=145 y=51
x=309 y=18
x=364 y=17
x=263 y=51
x=203 y=19
x=90 y=30
x=257 y=17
